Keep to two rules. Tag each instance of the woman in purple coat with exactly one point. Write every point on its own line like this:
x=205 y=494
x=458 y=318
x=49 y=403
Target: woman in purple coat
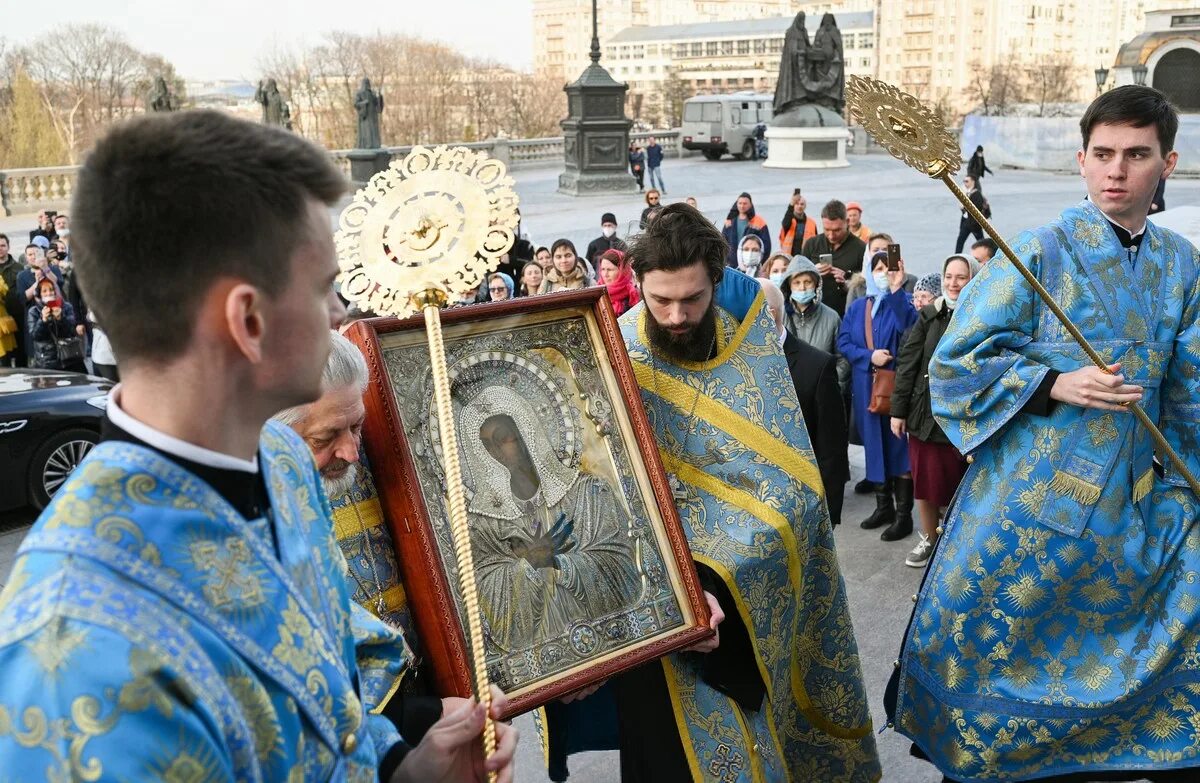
x=888 y=309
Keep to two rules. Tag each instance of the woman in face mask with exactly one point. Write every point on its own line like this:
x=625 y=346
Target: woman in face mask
x=750 y=255
x=805 y=317
x=869 y=338
x=777 y=269
x=937 y=467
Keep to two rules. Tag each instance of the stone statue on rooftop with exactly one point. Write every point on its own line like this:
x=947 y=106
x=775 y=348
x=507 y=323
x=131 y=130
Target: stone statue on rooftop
x=160 y=97
x=274 y=108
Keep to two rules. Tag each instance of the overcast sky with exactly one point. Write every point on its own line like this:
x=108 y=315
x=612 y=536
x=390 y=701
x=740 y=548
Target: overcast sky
x=214 y=39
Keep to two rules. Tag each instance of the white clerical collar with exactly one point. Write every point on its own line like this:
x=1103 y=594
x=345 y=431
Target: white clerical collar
x=172 y=445
x=1115 y=222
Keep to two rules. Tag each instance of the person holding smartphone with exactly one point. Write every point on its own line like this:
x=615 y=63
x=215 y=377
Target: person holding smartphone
x=839 y=255
x=50 y=318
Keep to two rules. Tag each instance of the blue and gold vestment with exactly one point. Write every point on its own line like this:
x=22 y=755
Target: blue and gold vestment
x=753 y=512
x=1058 y=629
x=149 y=632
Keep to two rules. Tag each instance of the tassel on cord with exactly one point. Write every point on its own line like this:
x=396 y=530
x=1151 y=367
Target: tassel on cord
x=1143 y=486
x=1075 y=488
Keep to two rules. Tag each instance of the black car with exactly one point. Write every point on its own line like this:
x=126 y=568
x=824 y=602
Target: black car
x=49 y=421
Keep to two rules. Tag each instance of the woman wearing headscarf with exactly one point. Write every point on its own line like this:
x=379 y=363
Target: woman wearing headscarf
x=869 y=338
x=566 y=271
x=616 y=275
x=937 y=467
x=927 y=289
x=500 y=287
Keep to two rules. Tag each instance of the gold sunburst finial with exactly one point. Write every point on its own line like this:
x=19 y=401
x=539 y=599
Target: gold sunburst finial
x=436 y=220
x=903 y=126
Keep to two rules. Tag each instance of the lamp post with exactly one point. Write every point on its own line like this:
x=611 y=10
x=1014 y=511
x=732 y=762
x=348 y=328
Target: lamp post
x=1101 y=78
x=596 y=131
x=1139 y=74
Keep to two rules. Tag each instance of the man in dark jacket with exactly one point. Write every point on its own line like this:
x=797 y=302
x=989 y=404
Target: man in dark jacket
x=968 y=225
x=608 y=240
x=815 y=376
x=847 y=253
x=814 y=373
x=654 y=159
x=740 y=221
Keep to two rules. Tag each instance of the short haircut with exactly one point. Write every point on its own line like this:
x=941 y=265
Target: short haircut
x=344 y=367
x=5 y=238
x=834 y=210
x=62 y=215
x=1134 y=105
x=38 y=247
x=880 y=235
x=678 y=238
x=540 y=249
x=227 y=196
x=990 y=244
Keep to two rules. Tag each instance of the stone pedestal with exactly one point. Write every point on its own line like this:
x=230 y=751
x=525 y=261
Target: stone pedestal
x=807 y=137
x=806 y=148
x=365 y=164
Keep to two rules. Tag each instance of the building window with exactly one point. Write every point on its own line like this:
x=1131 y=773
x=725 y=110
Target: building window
x=653 y=69
x=866 y=40
x=760 y=46
x=726 y=48
x=743 y=47
x=637 y=69
x=697 y=49
x=710 y=48
x=1185 y=20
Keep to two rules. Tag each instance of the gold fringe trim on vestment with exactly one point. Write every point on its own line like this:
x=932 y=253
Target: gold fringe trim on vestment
x=1075 y=487
x=1143 y=486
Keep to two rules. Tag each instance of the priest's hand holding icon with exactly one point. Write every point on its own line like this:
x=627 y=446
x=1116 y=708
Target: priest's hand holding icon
x=718 y=617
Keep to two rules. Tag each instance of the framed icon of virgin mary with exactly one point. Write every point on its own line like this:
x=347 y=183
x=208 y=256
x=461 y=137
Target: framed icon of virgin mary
x=581 y=564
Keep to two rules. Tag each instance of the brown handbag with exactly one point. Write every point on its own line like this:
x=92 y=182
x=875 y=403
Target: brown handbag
x=883 y=382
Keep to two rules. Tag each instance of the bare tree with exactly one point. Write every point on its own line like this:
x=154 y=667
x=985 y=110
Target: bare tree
x=1051 y=79
x=89 y=76
x=995 y=88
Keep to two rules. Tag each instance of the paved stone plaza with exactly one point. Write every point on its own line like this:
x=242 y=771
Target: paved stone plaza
x=924 y=219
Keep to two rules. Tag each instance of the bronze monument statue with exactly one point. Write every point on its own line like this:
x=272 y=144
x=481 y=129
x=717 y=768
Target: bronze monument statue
x=793 y=66
x=812 y=79
x=274 y=108
x=368 y=104
x=160 y=97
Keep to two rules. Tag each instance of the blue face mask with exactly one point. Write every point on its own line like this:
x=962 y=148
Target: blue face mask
x=777 y=278
x=802 y=298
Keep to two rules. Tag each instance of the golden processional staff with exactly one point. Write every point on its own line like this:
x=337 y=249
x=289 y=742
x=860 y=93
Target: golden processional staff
x=911 y=132
x=423 y=232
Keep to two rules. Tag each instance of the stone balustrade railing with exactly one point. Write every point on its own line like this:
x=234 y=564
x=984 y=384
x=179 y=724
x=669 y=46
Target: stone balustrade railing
x=24 y=191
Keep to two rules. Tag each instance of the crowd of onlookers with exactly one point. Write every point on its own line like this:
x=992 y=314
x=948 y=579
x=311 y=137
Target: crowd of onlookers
x=874 y=322
x=44 y=321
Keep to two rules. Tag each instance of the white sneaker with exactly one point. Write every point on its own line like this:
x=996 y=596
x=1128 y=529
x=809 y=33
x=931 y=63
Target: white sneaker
x=919 y=556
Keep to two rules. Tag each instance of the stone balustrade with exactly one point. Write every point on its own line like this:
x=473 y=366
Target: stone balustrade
x=24 y=191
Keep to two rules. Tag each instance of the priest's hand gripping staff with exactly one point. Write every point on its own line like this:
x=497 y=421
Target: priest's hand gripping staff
x=423 y=232
x=911 y=132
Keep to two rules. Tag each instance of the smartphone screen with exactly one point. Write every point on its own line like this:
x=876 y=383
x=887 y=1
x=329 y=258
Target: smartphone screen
x=893 y=259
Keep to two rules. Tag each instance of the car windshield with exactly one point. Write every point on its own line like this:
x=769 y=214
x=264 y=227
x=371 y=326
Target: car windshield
x=691 y=112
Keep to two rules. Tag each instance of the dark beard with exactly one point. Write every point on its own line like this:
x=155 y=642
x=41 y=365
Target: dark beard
x=694 y=346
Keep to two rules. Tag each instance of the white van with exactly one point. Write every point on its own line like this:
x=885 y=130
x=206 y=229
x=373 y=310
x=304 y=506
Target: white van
x=716 y=124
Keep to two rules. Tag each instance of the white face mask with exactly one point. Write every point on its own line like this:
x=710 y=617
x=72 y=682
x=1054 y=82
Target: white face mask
x=608 y=231
x=751 y=258
x=950 y=302
x=881 y=280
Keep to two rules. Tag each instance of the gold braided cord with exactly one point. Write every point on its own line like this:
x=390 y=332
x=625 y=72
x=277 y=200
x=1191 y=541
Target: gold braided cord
x=917 y=136
x=458 y=517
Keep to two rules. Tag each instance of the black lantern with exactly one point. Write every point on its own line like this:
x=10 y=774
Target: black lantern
x=1101 y=78
x=596 y=131
x=1139 y=74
